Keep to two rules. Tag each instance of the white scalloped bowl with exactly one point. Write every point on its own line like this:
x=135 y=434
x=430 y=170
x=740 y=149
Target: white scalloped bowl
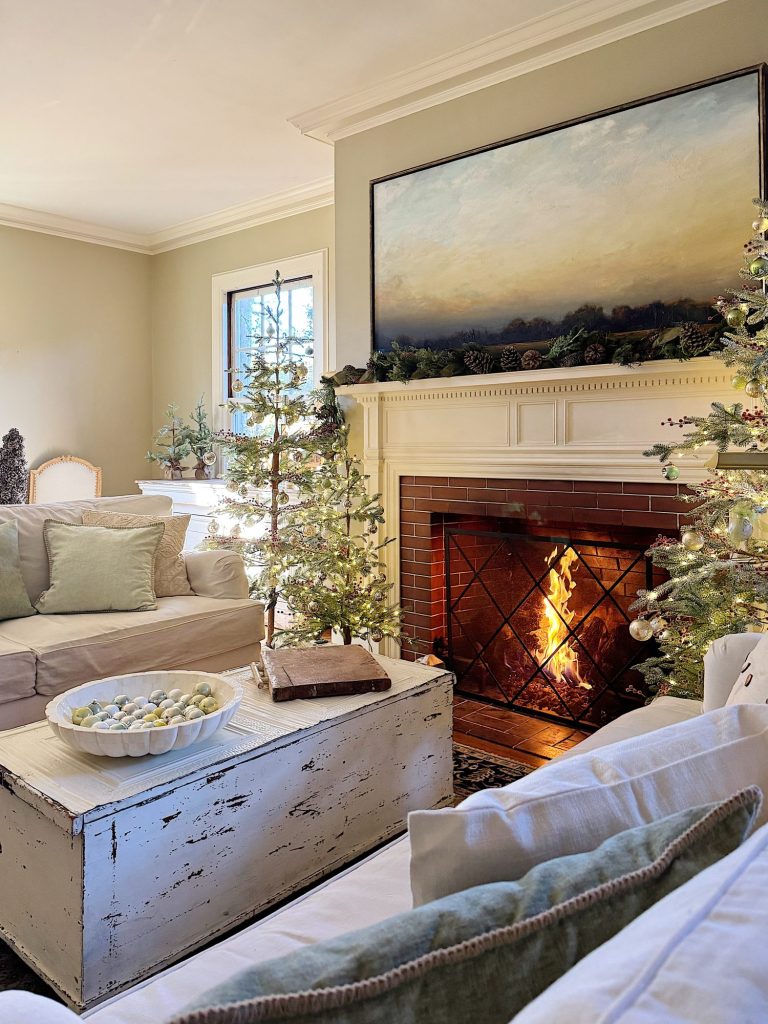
x=142 y=741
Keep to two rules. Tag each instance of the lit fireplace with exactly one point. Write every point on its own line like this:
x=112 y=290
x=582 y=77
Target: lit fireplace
x=543 y=628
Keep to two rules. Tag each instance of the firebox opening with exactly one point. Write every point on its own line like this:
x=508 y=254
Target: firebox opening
x=538 y=622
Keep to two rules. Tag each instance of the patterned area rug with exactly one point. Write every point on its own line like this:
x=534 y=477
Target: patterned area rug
x=474 y=769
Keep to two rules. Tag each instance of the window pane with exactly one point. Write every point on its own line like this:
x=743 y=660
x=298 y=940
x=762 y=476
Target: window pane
x=250 y=320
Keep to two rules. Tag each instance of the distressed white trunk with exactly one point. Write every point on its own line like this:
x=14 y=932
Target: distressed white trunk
x=109 y=873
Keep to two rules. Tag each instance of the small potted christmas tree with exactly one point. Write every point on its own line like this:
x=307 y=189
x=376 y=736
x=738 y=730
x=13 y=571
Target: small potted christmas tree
x=172 y=445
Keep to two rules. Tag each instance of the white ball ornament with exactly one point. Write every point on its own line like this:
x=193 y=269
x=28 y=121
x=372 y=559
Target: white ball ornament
x=640 y=630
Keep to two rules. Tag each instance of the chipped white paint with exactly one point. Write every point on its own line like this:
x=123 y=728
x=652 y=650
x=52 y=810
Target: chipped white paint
x=110 y=872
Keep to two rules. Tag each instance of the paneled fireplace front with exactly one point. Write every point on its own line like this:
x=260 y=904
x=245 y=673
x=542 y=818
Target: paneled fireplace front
x=524 y=586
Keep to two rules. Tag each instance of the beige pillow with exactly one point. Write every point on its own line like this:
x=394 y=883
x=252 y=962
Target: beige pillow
x=170 y=571
x=99 y=568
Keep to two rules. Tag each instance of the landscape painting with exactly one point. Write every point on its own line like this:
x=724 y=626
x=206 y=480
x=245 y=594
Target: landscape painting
x=633 y=219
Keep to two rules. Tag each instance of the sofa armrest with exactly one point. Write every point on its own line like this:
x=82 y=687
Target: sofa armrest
x=216 y=574
x=723 y=663
x=22 y=1007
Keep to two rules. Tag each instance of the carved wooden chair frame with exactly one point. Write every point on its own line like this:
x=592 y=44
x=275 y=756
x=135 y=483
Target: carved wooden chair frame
x=35 y=473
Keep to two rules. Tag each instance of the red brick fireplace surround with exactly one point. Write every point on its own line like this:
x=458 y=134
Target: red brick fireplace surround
x=598 y=509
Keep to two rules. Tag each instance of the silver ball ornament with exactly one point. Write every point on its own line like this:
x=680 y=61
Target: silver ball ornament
x=753 y=388
x=640 y=630
x=658 y=623
x=209 y=458
x=237 y=385
x=213 y=527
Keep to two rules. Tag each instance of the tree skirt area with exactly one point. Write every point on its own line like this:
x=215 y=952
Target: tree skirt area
x=475 y=769
x=472 y=770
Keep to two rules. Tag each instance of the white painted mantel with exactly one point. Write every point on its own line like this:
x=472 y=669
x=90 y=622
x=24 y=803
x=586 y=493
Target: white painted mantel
x=583 y=423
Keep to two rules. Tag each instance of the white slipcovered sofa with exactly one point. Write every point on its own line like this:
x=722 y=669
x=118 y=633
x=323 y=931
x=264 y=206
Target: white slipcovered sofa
x=43 y=655
x=644 y=975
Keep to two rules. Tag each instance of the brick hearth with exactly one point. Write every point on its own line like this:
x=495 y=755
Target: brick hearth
x=427 y=503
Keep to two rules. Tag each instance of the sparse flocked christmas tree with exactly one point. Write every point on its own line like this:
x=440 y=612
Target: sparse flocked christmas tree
x=13 y=469
x=270 y=472
x=201 y=440
x=172 y=444
x=293 y=480
x=336 y=579
x=719 y=568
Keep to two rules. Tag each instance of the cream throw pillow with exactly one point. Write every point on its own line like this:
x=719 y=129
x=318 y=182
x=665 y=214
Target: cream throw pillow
x=170 y=571
x=571 y=807
x=99 y=568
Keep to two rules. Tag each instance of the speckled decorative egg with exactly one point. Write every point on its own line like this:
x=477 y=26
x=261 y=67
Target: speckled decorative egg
x=177 y=720
x=175 y=694
x=208 y=704
x=100 y=725
x=192 y=713
x=121 y=699
x=140 y=701
x=117 y=727
x=79 y=714
x=149 y=707
x=130 y=708
x=112 y=709
x=204 y=689
x=135 y=726
x=157 y=695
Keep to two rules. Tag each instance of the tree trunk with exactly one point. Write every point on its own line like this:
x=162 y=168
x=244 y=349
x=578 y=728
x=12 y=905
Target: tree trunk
x=346 y=632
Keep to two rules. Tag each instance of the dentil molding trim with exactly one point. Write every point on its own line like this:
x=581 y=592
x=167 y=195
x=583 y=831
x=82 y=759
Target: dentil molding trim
x=282 y=204
x=580 y=26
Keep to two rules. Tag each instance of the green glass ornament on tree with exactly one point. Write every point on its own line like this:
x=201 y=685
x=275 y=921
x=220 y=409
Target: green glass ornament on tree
x=670 y=472
x=692 y=540
x=759 y=267
x=752 y=387
x=736 y=317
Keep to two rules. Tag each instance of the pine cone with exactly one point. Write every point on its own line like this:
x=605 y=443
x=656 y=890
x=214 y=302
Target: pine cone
x=531 y=360
x=510 y=359
x=572 y=359
x=595 y=353
x=478 y=360
x=693 y=340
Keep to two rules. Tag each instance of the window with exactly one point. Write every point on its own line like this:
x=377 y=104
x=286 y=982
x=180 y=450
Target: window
x=240 y=303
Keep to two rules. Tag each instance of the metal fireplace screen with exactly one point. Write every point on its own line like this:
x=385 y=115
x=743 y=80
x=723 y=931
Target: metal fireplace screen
x=540 y=623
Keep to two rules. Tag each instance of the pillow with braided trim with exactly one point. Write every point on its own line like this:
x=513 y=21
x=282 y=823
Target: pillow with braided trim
x=483 y=954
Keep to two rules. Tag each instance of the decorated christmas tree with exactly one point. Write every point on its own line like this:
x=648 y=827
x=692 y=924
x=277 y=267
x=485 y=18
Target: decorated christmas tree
x=718 y=570
x=271 y=471
x=171 y=443
x=201 y=439
x=13 y=469
x=336 y=579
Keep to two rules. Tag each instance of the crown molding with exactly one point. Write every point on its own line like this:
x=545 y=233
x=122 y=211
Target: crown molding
x=581 y=26
x=66 y=227
x=287 y=203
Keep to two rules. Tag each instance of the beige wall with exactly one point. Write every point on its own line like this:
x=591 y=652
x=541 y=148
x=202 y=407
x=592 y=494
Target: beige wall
x=74 y=352
x=181 y=298
x=721 y=39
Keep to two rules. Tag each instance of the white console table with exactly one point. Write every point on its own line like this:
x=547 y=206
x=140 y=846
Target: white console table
x=198 y=498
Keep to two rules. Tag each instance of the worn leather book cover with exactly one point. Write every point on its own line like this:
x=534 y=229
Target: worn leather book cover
x=332 y=671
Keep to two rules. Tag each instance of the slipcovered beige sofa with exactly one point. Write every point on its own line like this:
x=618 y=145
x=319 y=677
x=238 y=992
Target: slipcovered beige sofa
x=43 y=655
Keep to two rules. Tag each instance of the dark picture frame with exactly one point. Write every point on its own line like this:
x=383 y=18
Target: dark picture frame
x=447 y=334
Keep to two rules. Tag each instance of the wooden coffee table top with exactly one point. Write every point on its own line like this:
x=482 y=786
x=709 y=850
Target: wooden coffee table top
x=73 y=787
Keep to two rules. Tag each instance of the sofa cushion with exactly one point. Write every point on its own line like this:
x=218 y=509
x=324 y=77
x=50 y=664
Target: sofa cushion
x=696 y=957
x=722 y=665
x=73 y=649
x=170 y=571
x=14 y=603
x=571 y=806
x=30 y=519
x=482 y=954
x=17 y=669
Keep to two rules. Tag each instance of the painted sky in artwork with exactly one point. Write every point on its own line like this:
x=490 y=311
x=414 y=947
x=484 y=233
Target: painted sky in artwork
x=647 y=204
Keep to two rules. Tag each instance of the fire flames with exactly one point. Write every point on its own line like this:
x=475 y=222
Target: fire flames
x=556 y=617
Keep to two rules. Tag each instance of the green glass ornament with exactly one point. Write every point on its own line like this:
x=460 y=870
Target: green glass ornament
x=670 y=472
x=759 y=267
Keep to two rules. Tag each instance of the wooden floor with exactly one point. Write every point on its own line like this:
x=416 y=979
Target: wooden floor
x=510 y=734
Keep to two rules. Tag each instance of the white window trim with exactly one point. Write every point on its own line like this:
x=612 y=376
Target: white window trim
x=311 y=263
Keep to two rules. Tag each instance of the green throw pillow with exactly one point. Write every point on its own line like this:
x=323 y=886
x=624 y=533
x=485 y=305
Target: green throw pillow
x=483 y=954
x=14 y=602
x=99 y=568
